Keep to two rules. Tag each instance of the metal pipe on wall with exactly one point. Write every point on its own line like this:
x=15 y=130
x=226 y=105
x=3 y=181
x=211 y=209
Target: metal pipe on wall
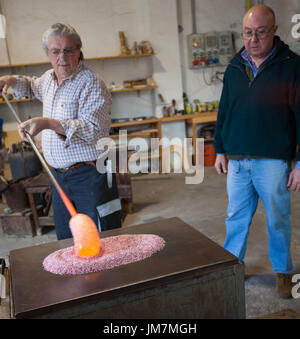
x=194 y=23
x=5 y=38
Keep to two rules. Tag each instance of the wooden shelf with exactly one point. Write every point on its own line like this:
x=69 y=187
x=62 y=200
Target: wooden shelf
x=15 y=100
x=135 y=122
x=138 y=134
x=133 y=56
x=202 y=116
x=198 y=117
x=25 y=65
x=133 y=89
x=111 y=91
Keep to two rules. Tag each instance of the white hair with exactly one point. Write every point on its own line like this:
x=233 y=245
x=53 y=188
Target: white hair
x=62 y=29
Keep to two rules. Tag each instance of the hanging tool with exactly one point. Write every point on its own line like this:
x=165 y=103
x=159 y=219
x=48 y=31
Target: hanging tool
x=84 y=231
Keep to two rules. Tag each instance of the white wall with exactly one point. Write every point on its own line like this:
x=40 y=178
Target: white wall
x=219 y=15
x=209 y=17
x=99 y=21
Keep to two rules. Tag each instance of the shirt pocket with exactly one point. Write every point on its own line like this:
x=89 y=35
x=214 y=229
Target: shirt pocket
x=66 y=109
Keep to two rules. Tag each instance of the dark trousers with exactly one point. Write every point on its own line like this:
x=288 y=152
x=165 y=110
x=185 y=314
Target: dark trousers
x=87 y=189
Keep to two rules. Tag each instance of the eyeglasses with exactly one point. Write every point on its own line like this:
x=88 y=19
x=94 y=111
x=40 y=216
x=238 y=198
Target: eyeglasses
x=260 y=34
x=67 y=51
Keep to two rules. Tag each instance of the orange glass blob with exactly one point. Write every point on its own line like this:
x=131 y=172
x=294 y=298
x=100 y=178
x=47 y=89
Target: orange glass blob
x=86 y=236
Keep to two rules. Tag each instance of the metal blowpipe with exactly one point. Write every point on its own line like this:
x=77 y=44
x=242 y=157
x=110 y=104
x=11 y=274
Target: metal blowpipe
x=62 y=194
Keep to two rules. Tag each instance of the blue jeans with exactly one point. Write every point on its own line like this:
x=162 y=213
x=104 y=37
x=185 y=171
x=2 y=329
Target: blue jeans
x=247 y=181
x=87 y=189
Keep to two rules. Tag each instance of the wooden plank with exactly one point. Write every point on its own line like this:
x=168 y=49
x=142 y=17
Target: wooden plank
x=133 y=89
x=133 y=123
x=46 y=221
x=11 y=137
x=188 y=116
x=143 y=132
x=205 y=117
x=15 y=101
x=137 y=134
x=129 y=56
x=86 y=59
x=283 y=314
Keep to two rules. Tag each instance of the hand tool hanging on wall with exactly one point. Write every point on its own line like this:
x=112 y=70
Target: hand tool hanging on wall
x=84 y=230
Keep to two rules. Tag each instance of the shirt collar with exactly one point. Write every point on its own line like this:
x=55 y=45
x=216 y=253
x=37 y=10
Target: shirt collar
x=245 y=55
x=70 y=77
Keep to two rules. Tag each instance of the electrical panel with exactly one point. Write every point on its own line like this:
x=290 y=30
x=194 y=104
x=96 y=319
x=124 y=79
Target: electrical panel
x=210 y=49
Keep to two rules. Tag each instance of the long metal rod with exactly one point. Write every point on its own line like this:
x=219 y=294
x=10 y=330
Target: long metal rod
x=62 y=194
x=194 y=14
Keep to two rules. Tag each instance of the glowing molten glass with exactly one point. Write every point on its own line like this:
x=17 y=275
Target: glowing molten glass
x=86 y=236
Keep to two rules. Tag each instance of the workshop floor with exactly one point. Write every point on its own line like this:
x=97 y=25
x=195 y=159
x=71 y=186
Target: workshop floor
x=204 y=207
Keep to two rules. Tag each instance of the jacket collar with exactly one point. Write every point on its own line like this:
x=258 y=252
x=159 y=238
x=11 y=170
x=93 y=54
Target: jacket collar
x=281 y=51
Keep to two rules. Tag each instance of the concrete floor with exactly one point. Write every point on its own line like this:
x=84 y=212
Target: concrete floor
x=202 y=206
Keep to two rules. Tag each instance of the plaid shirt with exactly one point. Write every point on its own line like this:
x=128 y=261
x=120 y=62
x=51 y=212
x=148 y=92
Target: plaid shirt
x=82 y=105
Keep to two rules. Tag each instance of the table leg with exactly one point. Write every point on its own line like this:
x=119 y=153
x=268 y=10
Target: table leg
x=194 y=142
x=159 y=135
x=187 y=135
x=35 y=216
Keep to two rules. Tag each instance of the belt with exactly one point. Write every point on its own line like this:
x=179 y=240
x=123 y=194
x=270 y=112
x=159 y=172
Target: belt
x=76 y=166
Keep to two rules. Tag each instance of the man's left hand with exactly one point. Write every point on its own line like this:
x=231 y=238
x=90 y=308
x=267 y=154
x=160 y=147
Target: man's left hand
x=35 y=125
x=294 y=180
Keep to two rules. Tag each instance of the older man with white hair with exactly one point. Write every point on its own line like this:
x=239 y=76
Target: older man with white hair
x=76 y=114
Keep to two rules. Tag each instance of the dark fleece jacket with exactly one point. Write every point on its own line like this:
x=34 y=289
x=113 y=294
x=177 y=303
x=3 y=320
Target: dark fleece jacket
x=261 y=116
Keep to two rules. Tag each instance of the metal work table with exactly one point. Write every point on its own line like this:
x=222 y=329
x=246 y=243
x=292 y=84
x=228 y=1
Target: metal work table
x=192 y=277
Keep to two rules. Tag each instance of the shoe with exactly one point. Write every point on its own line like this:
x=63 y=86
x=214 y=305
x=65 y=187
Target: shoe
x=284 y=285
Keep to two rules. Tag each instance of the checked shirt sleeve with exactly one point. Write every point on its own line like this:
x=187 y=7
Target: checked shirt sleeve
x=30 y=87
x=93 y=120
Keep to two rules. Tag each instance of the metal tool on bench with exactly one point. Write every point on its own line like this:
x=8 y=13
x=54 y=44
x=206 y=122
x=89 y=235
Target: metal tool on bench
x=84 y=230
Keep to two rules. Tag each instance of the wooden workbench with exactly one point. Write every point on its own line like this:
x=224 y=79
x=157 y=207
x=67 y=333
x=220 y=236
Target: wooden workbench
x=154 y=129
x=155 y=124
